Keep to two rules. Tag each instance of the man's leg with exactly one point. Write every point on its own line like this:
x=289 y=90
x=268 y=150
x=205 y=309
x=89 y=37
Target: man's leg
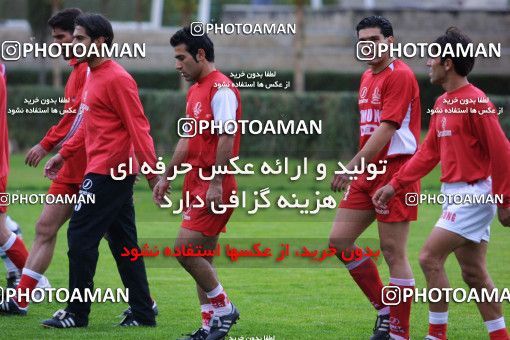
x=199 y=267
x=472 y=260
x=122 y=233
x=13 y=273
x=46 y=228
x=393 y=238
x=206 y=308
x=11 y=244
x=52 y=218
x=202 y=270
x=14 y=227
x=349 y=224
x=87 y=227
x=438 y=246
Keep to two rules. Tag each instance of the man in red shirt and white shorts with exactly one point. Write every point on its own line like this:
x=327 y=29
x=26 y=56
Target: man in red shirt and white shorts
x=389 y=104
x=474 y=154
x=201 y=227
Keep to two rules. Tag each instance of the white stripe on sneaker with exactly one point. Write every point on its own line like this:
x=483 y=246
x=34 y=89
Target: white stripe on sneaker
x=396 y=337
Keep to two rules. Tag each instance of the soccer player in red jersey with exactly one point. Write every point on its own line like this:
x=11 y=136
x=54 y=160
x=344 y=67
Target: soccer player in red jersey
x=69 y=177
x=474 y=154
x=10 y=243
x=114 y=131
x=389 y=105
x=201 y=227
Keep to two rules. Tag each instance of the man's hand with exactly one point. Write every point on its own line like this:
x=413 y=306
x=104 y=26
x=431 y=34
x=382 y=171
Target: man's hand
x=340 y=182
x=504 y=216
x=160 y=189
x=383 y=195
x=214 y=194
x=53 y=165
x=35 y=155
x=152 y=182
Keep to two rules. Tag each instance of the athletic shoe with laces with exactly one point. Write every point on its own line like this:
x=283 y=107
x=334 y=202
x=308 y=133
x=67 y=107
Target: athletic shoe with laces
x=129 y=311
x=199 y=334
x=130 y=321
x=13 y=279
x=11 y=307
x=64 y=319
x=221 y=325
x=381 y=328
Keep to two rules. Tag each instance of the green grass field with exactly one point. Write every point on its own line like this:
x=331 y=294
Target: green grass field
x=290 y=303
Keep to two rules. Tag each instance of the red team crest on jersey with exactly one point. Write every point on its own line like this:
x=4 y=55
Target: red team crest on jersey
x=443 y=132
x=197 y=109
x=376 y=96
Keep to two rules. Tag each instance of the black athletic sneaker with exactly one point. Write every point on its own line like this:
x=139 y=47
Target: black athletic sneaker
x=129 y=311
x=130 y=321
x=64 y=319
x=13 y=279
x=381 y=328
x=199 y=334
x=11 y=307
x=221 y=325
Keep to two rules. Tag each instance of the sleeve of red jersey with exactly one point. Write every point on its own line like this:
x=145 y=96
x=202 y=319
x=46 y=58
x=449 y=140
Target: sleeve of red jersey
x=59 y=131
x=496 y=145
x=397 y=96
x=75 y=143
x=422 y=162
x=126 y=102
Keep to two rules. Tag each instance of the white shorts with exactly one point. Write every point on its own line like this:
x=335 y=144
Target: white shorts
x=471 y=221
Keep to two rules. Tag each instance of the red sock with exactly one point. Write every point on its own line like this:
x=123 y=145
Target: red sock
x=18 y=253
x=438 y=330
x=367 y=277
x=25 y=283
x=500 y=334
x=400 y=314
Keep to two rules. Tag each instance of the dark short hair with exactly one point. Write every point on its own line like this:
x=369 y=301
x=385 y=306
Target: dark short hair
x=96 y=26
x=65 y=19
x=376 y=21
x=453 y=36
x=194 y=43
